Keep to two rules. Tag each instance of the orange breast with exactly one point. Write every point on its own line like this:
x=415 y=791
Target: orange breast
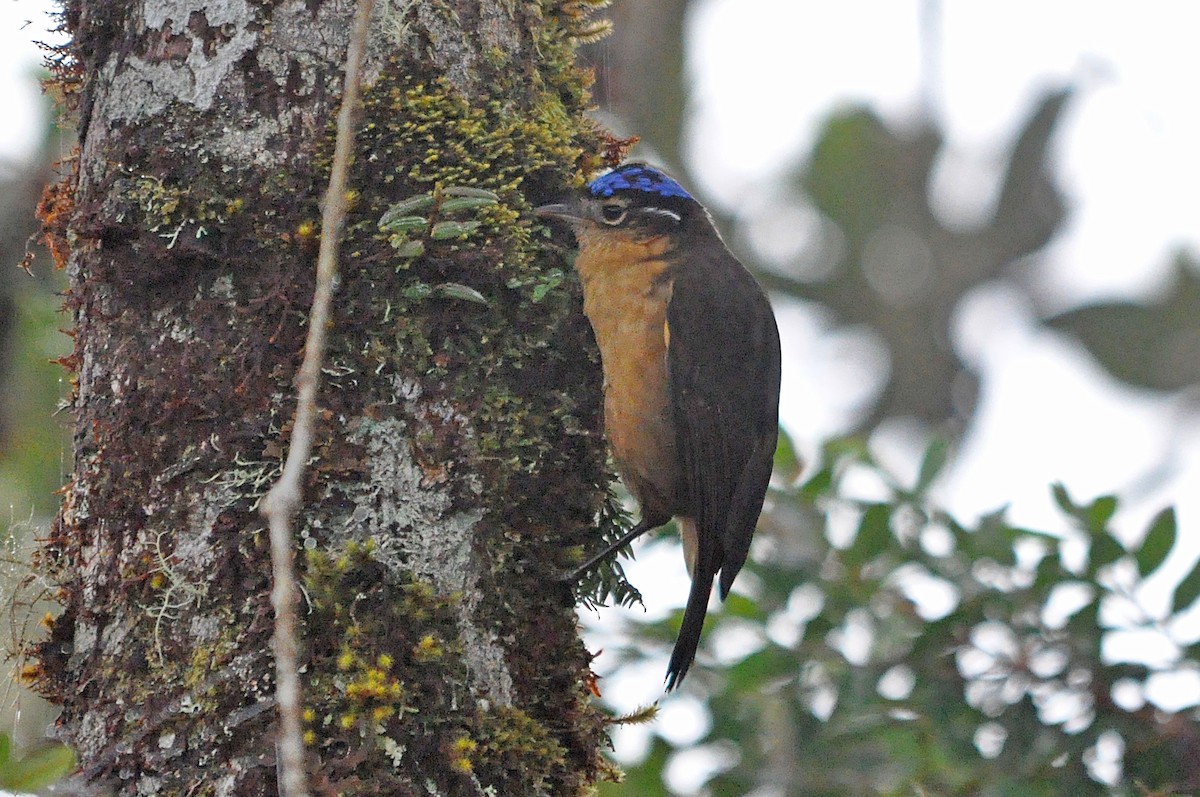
x=626 y=287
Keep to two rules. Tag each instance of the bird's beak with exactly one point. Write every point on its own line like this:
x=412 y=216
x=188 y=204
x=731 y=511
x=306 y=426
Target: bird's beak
x=567 y=211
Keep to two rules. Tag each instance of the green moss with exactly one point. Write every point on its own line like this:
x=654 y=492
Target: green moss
x=167 y=208
x=435 y=139
x=382 y=671
x=516 y=754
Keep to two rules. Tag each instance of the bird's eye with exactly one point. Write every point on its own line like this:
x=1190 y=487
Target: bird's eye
x=612 y=213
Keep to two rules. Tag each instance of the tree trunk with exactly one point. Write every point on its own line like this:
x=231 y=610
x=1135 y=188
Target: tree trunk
x=456 y=458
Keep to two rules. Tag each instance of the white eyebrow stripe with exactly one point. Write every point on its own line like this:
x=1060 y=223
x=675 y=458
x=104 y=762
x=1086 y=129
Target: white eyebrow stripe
x=663 y=212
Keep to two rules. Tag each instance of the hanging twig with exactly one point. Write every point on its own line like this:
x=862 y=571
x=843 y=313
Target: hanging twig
x=283 y=501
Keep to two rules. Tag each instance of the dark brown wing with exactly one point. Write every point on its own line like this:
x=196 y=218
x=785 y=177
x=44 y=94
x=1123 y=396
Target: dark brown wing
x=723 y=365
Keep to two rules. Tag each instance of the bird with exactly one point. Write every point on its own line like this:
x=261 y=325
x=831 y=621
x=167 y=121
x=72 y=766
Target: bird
x=689 y=350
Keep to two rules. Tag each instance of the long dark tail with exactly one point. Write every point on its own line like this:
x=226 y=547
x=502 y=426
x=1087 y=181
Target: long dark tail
x=693 y=624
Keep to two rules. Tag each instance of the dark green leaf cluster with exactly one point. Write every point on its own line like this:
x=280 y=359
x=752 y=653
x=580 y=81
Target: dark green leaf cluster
x=898 y=651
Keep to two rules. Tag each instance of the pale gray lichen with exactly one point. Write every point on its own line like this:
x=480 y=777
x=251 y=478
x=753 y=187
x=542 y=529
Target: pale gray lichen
x=416 y=530
x=197 y=78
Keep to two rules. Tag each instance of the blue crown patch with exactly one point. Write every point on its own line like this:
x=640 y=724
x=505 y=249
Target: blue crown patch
x=636 y=177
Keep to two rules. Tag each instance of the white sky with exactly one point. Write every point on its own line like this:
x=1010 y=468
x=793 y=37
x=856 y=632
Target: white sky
x=21 y=23
x=766 y=73
x=1128 y=162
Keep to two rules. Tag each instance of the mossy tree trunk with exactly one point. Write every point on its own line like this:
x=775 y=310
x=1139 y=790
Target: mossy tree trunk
x=457 y=455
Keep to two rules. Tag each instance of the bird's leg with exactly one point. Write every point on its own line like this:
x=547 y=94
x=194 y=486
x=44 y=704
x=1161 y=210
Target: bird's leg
x=641 y=528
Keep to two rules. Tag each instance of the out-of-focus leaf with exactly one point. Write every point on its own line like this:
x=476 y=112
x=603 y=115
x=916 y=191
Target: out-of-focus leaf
x=1094 y=516
x=1063 y=499
x=787 y=464
x=1156 y=344
x=1106 y=549
x=1049 y=571
x=818 y=485
x=817 y=628
x=36 y=769
x=1159 y=541
x=874 y=535
x=936 y=455
x=761 y=667
x=740 y=606
x=1187 y=590
x=1100 y=512
x=850 y=171
x=850 y=449
x=994 y=538
x=1085 y=625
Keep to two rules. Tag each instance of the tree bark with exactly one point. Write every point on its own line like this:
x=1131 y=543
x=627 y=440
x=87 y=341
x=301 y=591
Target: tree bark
x=457 y=455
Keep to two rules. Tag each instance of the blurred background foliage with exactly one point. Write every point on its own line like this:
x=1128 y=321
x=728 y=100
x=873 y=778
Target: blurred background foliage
x=878 y=645
x=33 y=448
x=881 y=646
x=884 y=648
x=34 y=438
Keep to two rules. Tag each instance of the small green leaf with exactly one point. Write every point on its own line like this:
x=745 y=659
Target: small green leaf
x=455 y=290
x=936 y=455
x=445 y=230
x=403 y=223
x=874 y=534
x=787 y=462
x=1100 y=512
x=466 y=203
x=1106 y=549
x=470 y=191
x=740 y=606
x=1084 y=625
x=1159 y=541
x=552 y=280
x=818 y=485
x=1049 y=571
x=1063 y=499
x=417 y=291
x=406 y=248
x=1187 y=591
x=37 y=769
x=407 y=207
